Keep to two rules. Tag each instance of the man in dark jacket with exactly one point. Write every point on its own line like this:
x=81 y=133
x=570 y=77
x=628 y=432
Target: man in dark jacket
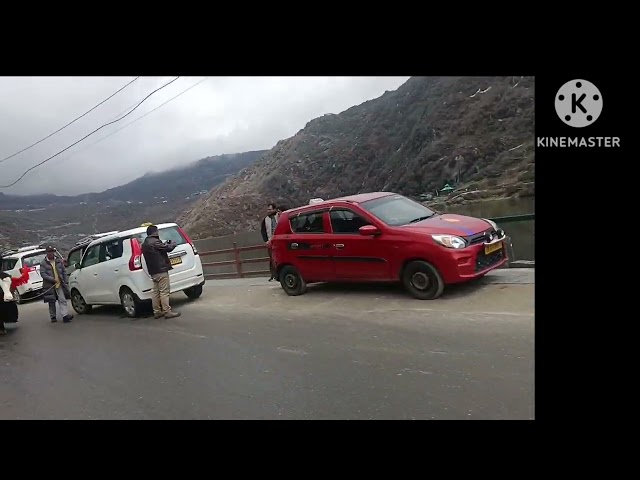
x=156 y=255
x=55 y=284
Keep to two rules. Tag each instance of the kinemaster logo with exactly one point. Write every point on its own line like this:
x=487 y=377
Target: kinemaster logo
x=579 y=104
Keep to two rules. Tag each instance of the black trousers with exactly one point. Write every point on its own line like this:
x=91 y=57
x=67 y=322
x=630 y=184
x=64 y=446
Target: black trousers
x=8 y=312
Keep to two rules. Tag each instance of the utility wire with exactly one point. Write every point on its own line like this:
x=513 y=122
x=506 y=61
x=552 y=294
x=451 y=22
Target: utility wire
x=75 y=143
x=139 y=118
x=123 y=111
x=72 y=121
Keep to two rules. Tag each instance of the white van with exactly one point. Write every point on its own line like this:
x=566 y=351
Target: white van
x=112 y=270
x=29 y=258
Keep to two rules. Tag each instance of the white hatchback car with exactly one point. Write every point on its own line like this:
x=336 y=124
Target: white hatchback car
x=112 y=270
x=29 y=258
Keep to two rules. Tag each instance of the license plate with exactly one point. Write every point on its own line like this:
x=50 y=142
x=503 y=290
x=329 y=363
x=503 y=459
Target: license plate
x=175 y=261
x=492 y=248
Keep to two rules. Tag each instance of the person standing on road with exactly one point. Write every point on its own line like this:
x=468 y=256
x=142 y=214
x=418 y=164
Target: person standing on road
x=156 y=254
x=267 y=229
x=8 y=305
x=55 y=285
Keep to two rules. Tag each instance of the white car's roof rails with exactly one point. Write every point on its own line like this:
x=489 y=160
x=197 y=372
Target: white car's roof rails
x=91 y=238
x=10 y=251
x=29 y=248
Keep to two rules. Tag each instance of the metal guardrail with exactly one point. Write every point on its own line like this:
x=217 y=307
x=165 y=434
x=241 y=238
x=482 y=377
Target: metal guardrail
x=238 y=262
x=526 y=217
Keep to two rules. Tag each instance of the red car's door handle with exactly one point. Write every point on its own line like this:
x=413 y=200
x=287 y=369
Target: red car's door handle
x=338 y=245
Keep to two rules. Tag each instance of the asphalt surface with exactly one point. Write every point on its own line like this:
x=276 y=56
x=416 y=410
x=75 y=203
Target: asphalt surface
x=245 y=350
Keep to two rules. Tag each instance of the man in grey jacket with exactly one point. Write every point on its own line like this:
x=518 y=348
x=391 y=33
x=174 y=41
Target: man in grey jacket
x=55 y=284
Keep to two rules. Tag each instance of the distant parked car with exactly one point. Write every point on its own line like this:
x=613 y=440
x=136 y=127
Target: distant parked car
x=112 y=270
x=28 y=258
x=383 y=237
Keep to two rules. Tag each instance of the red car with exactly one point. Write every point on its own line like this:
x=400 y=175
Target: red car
x=383 y=237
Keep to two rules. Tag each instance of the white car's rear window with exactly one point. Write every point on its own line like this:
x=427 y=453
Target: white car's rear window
x=33 y=260
x=167 y=233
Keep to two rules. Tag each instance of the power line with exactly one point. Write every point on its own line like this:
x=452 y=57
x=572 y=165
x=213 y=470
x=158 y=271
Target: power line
x=139 y=118
x=75 y=143
x=123 y=111
x=72 y=121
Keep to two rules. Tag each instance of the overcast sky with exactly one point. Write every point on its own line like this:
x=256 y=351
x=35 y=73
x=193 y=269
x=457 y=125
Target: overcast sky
x=220 y=115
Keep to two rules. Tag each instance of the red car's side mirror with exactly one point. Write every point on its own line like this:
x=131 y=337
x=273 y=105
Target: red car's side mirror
x=369 y=230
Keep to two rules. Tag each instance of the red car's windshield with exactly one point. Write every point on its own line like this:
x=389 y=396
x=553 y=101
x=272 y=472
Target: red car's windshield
x=397 y=210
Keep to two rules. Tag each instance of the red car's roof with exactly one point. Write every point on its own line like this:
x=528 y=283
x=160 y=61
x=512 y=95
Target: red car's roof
x=363 y=197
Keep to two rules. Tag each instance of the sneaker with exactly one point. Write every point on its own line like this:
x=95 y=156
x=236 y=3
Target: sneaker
x=172 y=314
x=67 y=318
x=158 y=315
x=54 y=319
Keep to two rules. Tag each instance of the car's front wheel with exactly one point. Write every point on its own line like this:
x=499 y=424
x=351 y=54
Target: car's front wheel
x=78 y=303
x=291 y=281
x=130 y=303
x=423 y=280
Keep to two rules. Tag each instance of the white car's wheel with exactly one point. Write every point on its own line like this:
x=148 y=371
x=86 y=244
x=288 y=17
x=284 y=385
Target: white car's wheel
x=130 y=303
x=78 y=303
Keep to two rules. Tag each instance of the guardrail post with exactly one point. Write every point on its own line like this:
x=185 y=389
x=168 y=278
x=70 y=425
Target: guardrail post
x=512 y=255
x=236 y=254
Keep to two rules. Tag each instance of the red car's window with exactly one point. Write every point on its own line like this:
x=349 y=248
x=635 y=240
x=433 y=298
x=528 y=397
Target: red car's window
x=346 y=221
x=312 y=222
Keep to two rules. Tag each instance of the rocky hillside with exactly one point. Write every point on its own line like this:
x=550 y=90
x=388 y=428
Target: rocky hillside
x=155 y=197
x=471 y=132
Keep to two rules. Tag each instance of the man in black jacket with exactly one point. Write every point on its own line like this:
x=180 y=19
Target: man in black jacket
x=156 y=255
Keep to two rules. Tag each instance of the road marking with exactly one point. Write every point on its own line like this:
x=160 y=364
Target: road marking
x=166 y=330
x=291 y=350
x=456 y=312
x=415 y=371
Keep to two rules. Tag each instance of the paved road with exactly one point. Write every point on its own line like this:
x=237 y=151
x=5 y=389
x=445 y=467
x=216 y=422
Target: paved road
x=247 y=351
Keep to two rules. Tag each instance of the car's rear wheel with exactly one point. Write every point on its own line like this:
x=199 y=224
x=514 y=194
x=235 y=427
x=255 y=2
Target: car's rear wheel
x=423 y=280
x=130 y=303
x=78 y=303
x=291 y=281
x=193 y=292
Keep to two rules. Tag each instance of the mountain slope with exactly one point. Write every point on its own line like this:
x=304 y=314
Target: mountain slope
x=430 y=131
x=156 y=197
x=174 y=184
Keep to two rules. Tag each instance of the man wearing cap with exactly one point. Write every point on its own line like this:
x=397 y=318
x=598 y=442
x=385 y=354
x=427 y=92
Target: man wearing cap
x=55 y=285
x=156 y=256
